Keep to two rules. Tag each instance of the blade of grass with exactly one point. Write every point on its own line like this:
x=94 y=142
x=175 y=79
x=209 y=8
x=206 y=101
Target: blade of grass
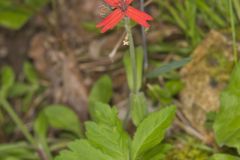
x=168 y=67
x=233 y=29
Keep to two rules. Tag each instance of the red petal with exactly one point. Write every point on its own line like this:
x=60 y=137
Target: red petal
x=113 y=22
x=113 y=3
x=140 y=13
x=138 y=16
x=109 y=17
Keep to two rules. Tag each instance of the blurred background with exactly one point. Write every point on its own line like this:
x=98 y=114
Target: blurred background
x=51 y=54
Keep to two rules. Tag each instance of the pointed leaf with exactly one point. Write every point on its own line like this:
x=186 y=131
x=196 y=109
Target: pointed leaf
x=151 y=131
x=112 y=141
x=7 y=80
x=103 y=114
x=168 y=67
x=82 y=150
x=30 y=73
x=61 y=117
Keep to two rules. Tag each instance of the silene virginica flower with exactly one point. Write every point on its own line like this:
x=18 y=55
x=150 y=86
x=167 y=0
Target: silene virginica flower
x=121 y=9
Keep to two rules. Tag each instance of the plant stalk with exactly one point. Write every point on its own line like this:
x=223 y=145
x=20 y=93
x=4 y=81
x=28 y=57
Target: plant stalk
x=7 y=107
x=132 y=54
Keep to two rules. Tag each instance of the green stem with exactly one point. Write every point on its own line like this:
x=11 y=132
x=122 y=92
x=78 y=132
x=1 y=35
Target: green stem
x=132 y=54
x=233 y=31
x=18 y=122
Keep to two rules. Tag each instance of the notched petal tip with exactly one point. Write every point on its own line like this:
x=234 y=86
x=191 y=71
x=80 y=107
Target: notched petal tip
x=139 y=16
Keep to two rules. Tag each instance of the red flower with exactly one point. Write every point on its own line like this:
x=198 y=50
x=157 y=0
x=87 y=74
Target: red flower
x=122 y=9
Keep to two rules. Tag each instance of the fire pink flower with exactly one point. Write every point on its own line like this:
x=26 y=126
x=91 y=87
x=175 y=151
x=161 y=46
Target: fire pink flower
x=123 y=9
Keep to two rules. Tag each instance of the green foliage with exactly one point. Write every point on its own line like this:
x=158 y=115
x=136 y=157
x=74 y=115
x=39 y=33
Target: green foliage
x=111 y=140
x=7 y=80
x=17 y=151
x=55 y=116
x=100 y=94
x=185 y=147
x=226 y=126
x=187 y=15
x=103 y=114
x=224 y=157
x=138 y=106
x=102 y=90
x=59 y=117
x=106 y=139
x=30 y=73
x=82 y=149
x=139 y=68
x=151 y=131
x=165 y=94
x=167 y=68
x=14 y=14
x=10 y=88
x=157 y=153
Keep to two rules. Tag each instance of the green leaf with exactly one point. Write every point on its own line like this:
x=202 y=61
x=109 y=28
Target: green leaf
x=102 y=113
x=227 y=126
x=102 y=90
x=82 y=150
x=160 y=94
x=151 y=131
x=60 y=117
x=19 y=150
x=30 y=73
x=111 y=140
x=7 y=80
x=174 y=86
x=157 y=153
x=41 y=125
x=14 y=14
x=204 y=7
x=220 y=156
x=13 y=17
x=139 y=67
x=106 y=139
x=19 y=89
x=106 y=133
x=138 y=106
x=168 y=67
